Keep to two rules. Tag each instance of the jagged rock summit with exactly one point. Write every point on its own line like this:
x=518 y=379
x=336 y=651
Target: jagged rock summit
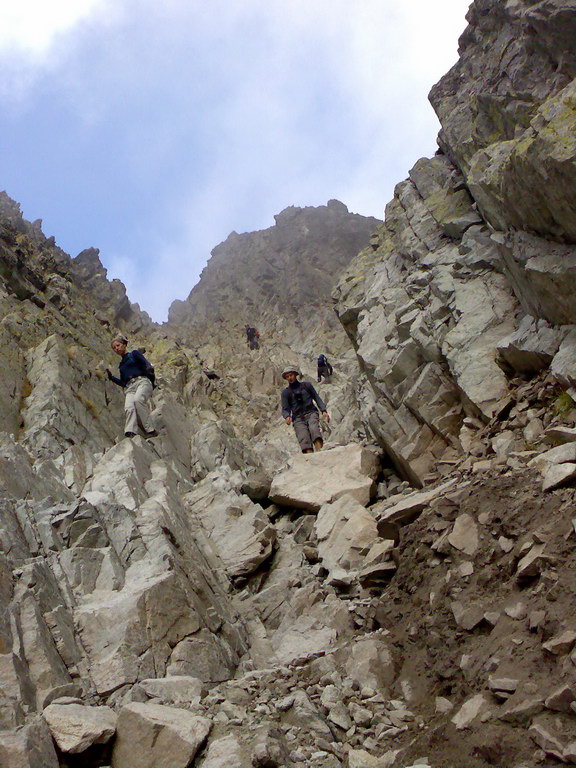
x=278 y=278
x=209 y=597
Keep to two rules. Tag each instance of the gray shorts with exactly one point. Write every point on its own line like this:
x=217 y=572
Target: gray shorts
x=307 y=428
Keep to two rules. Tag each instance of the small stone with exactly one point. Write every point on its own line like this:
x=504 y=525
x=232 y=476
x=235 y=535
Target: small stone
x=399 y=717
x=361 y=716
x=562 y=644
x=569 y=753
x=520 y=711
x=359 y=758
x=533 y=563
x=556 y=475
x=561 y=699
x=466 y=616
x=469 y=711
x=506 y=545
x=516 y=610
x=507 y=684
x=464 y=535
x=536 y=620
x=545 y=739
x=443 y=705
x=284 y=704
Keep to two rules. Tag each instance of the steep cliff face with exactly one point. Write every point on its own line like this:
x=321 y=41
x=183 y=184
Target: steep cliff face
x=210 y=597
x=44 y=292
x=474 y=253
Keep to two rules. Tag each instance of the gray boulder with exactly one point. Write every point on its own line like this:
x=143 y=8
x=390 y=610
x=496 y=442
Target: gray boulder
x=312 y=480
x=156 y=736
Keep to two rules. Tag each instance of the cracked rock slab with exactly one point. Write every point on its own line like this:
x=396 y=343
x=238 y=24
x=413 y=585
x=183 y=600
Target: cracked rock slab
x=156 y=736
x=76 y=727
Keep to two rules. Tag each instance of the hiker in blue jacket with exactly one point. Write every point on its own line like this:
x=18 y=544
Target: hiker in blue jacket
x=299 y=400
x=136 y=379
x=324 y=368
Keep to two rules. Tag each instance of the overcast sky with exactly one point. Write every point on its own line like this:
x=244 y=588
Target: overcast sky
x=151 y=129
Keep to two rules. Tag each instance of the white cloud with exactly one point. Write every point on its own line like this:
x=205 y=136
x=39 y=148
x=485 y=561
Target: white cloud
x=32 y=26
x=203 y=116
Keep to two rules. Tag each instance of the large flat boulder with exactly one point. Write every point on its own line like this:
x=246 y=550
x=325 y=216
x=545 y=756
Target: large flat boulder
x=156 y=736
x=312 y=480
x=76 y=727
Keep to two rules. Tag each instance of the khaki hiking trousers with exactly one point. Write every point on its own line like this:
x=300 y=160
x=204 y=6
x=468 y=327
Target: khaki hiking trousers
x=137 y=393
x=307 y=428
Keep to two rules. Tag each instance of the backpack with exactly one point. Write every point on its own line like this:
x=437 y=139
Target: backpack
x=150 y=373
x=149 y=370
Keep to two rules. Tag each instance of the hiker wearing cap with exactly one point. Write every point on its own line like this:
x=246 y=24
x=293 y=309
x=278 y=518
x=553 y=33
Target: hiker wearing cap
x=299 y=400
x=136 y=379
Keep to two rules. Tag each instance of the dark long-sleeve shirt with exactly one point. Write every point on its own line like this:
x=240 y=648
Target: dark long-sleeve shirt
x=133 y=364
x=298 y=398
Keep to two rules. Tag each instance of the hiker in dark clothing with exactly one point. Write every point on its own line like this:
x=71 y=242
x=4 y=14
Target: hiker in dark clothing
x=299 y=400
x=252 y=337
x=136 y=379
x=324 y=368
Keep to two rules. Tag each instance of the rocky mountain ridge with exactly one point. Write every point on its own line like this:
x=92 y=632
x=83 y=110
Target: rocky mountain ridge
x=406 y=596
x=278 y=279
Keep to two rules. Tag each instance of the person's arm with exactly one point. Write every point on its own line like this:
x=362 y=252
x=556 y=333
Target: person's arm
x=115 y=379
x=286 y=410
x=318 y=400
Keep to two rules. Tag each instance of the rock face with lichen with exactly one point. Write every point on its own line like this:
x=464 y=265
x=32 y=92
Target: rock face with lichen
x=477 y=243
x=210 y=597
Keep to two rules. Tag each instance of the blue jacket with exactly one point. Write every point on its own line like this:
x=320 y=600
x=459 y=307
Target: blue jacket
x=133 y=364
x=299 y=398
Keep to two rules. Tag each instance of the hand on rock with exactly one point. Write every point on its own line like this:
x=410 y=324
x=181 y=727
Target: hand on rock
x=326 y=416
x=288 y=420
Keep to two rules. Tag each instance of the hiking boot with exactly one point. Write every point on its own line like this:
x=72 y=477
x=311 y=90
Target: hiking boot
x=152 y=433
x=130 y=434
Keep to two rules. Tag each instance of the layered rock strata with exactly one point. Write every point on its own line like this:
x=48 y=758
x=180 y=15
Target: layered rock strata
x=476 y=252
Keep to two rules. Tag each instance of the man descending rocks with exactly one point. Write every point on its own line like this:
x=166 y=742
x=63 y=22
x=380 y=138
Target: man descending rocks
x=136 y=379
x=324 y=368
x=252 y=337
x=299 y=409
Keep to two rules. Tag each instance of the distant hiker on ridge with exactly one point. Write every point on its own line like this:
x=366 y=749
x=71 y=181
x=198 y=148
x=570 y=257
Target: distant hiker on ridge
x=252 y=337
x=324 y=368
x=298 y=409
x=137 y=381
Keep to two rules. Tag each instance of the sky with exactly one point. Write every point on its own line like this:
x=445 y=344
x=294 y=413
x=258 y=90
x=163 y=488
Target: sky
x=152 y=129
